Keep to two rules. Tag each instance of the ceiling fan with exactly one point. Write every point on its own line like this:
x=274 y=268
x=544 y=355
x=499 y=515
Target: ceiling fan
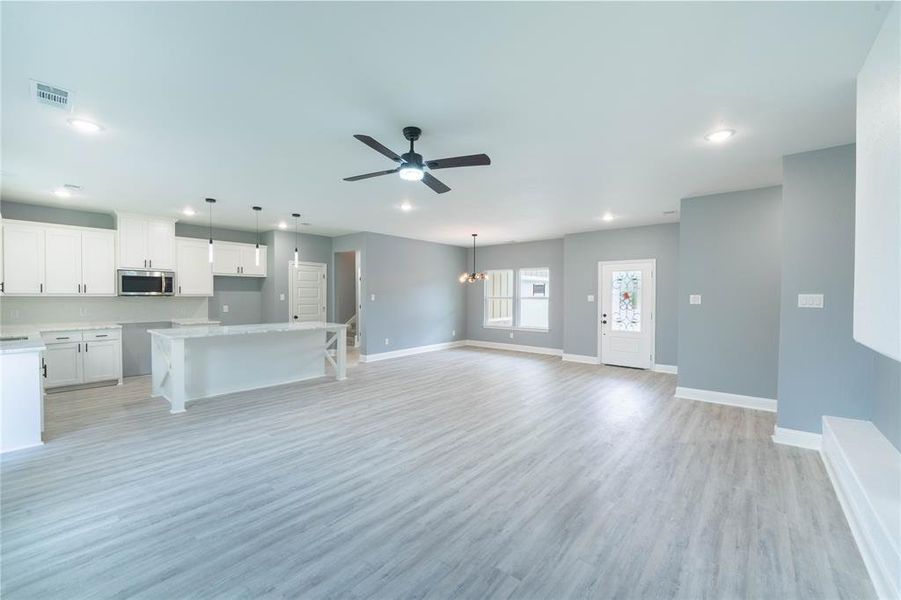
x=411 y=167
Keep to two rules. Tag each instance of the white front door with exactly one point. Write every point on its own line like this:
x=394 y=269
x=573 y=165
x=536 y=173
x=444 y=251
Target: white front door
x=626 y=320
x=308 y=291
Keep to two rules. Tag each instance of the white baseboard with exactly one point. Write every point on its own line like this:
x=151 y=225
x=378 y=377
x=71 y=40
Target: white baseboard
x=796 y=437
x=515 y=347
x=581 y=358
x=673 y=369
x=410 y=351
x=767 y=404
x=865 y=470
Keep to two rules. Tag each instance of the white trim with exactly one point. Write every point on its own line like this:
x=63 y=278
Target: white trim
x=767 y=404
x=864 y=469
x=515 y=347
x=411 y=351
x=796 y=437
x=671 y=369
x=581 y=358
x=652 y=304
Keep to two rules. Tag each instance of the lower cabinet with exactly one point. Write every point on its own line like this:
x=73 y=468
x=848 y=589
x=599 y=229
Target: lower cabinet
x=76 y=357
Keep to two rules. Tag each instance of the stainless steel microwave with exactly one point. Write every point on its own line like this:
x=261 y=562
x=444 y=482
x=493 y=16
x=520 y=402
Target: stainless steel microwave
x=146 y=283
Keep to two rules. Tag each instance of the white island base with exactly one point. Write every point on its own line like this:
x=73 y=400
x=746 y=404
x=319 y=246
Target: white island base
x=201 y=362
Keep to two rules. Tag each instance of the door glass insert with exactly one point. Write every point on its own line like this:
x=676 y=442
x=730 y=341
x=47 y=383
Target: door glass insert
x=626 y=305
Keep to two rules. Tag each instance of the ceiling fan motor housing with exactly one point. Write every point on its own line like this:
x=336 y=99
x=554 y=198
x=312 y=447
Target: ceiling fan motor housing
x=412 y=133
x=412 y=158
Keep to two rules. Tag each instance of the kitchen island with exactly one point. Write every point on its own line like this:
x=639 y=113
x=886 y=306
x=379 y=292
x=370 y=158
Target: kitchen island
x=201 y=362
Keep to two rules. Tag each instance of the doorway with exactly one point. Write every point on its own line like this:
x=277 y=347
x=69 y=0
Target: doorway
x=347 y=293
x=626 y=327
x=308 y=291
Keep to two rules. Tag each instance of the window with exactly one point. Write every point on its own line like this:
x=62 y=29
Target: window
x=531 y=305
x=533 y=298
x=499 y=298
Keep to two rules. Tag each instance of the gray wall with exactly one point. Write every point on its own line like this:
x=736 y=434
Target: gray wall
x=345 y=285
x=59 y=216
x=581 y=254
x=313 y=248
x=243 y=297
x=226 y=235
x=822 y=370
x=548 y=253
x=730 y=253
x=418 y=300
x=886 y=411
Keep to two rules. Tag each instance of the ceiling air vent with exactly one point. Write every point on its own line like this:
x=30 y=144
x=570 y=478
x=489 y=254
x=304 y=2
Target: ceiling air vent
x=53 y=96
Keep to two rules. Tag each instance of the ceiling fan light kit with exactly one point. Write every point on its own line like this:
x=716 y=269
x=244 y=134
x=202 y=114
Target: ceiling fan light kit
x=411 y=166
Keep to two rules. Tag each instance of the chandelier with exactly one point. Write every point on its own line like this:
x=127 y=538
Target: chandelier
x=473 y=277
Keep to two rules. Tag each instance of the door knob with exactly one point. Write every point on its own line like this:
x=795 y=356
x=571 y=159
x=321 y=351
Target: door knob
x=604 y=322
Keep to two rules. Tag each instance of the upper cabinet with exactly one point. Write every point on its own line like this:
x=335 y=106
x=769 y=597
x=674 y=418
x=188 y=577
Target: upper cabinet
x=193 y=269
x=145 y=242
x=238 y=260
x=55 y=260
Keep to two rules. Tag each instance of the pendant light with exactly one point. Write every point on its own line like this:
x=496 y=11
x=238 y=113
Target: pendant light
x=473 y=277
x=256 y=252
x=211 y=202
x=296 y=251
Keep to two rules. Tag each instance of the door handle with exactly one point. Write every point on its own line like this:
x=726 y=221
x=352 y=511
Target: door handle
x=604 y=322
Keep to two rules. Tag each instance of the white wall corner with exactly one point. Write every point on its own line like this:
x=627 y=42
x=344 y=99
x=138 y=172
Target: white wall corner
x=753 y=402
x=796 y=437
x=865 y=470
x=672 y=369
x=515 y=347
x=581 y=358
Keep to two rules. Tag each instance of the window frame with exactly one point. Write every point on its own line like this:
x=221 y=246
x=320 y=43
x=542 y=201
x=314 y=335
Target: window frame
x=486 y=298
x=517 y=301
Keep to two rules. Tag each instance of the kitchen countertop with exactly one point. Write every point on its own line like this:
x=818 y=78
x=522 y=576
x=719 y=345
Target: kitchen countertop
x=32 y=342
x=195 y=322
x=224 y=330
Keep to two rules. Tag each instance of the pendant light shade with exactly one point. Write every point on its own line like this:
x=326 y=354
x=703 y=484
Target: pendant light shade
x=256 y=252
x=211 y=202
x=296 y=250
x=473 y=276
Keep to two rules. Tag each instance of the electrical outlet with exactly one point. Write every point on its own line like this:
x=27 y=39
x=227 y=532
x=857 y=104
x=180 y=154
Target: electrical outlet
x=372 y=297
x=386 y=341
x=810 y=300
x=511 y=335
x=454 y=333
x=82 y=311
x=225 y=308
x=591 y=297
x=281 y=297
x=694 y=299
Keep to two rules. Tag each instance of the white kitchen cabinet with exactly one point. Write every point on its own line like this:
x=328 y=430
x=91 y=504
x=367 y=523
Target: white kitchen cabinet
x=238 y=260
x=101 y=360
x=248 y=261
x=226 y=258
x=62 y=261
x=98 y=263
x=145 y=242
x=64 y=364
x=23 y=259
x=193 y=271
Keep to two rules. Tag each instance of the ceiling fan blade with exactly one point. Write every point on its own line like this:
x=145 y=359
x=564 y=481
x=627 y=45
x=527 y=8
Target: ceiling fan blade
x=368 y=175
x=433 y=183
x=377 y=147
x=473 y=160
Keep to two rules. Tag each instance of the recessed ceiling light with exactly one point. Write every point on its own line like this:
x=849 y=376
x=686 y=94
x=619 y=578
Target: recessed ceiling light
x=189 y=212
x=62 y=192
x=607 y=217
x=282 y=225
x=406 y=206
x=720 y=135
x=85 y=126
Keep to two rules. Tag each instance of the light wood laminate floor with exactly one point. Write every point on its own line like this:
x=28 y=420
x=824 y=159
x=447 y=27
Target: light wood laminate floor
x=463 y=473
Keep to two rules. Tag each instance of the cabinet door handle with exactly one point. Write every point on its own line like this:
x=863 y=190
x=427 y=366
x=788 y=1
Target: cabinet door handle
x=86 y=347
x=100 y=335
x=63 y=338
x=150 y=263
x=79 y=348
x=179 y=289
x=79 y=288
x=41 y=287
x=44 y=368
x=84 y=287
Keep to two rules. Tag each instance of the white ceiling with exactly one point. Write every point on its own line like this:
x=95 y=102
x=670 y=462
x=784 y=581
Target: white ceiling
x=583 y=107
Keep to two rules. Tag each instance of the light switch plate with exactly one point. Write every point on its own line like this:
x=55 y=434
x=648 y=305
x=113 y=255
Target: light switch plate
x=694 y=299
x=225 y=308
x=372 y=297
x=591 y=297
x=281 y=297
x=810 y=301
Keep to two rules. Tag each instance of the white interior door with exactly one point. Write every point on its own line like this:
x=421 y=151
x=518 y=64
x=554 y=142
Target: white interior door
x=308 y=292
x=626 y=313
